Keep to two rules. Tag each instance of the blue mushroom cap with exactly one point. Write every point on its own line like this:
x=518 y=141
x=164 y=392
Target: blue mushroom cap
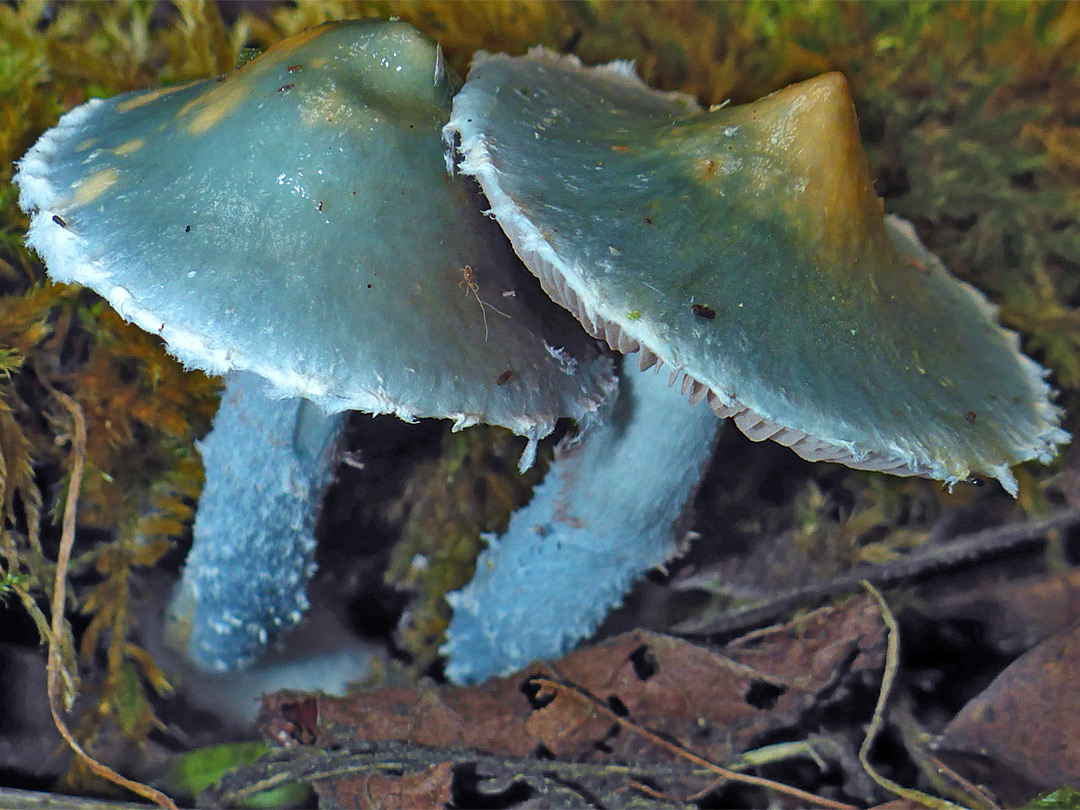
x=295 y=219
x=745 y=247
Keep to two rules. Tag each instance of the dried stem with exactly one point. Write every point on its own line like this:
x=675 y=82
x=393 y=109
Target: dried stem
x=877 y=723
x=56 y=672
x=965 y=550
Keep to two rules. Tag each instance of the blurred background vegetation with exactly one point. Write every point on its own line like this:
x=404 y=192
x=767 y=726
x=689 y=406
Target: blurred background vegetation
x=970 y=113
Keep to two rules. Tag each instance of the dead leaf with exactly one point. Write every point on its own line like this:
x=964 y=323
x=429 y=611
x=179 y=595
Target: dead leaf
x=713 y=702
x=378 y=791
x=1017 y=614
x=489 y=717
x=716 y=703
x=1022 y=734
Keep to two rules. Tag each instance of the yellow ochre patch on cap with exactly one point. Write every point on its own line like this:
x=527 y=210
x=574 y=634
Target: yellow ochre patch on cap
x=127 y=147
x=224 y=97
x=93 y=187
x=145 y=98
x=795 y=152
x=812 y=128
x=213 y=105
x=287 y=47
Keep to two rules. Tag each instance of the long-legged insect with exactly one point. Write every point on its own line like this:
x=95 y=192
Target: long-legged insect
x=468 y=278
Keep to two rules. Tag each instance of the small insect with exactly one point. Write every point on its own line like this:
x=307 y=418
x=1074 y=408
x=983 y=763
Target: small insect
x=59 y=220
x=504 y=378
x=702 y=311
x=468 y=278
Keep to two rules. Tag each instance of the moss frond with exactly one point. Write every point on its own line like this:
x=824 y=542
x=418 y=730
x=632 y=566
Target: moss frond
x=447 y=502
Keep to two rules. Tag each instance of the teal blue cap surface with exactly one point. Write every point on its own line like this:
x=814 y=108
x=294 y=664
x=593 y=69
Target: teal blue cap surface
x=745 y=248
x=295 y=219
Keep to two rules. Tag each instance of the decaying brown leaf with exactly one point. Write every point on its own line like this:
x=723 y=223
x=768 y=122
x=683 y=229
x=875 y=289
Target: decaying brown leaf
x=716 y=703
x=428 y=788
x=1017 y=613
x=1021 y=735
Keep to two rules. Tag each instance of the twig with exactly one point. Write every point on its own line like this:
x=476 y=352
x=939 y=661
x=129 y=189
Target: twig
x=963 y=782
x=684 y=753
x=943 y=778
x=964 y=550
x=308 y=765
x=55 y=670
x=763 y=756
x=14 y=799
x=877 y=723
x=652 y=792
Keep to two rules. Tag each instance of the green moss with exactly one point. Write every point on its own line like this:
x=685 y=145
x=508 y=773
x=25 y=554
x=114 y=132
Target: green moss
x=471 y=488
x=203 y=768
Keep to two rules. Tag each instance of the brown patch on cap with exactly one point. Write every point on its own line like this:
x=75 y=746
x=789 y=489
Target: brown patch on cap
x=151 y=95
x=705 y=168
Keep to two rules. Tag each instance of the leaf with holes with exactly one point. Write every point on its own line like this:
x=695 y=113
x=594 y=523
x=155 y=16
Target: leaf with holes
x=714 y=702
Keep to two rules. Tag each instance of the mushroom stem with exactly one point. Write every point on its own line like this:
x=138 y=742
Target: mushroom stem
x=606 y=513
x=268 y=463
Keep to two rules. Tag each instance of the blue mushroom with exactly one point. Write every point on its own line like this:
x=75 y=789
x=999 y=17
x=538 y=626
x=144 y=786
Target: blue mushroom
x=293 y=226
x=744 y=249
x=294 y=220
x=603 y=516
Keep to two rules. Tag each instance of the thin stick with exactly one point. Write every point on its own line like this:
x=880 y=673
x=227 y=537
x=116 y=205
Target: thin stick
x=877 y=723
x=965 y=784
x=39 y=800
x=679 y=751
x=652 y=792
x=55 y=664
x=968 y=549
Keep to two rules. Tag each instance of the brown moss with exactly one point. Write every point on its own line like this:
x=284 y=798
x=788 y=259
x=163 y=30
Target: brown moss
x=447 y=502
